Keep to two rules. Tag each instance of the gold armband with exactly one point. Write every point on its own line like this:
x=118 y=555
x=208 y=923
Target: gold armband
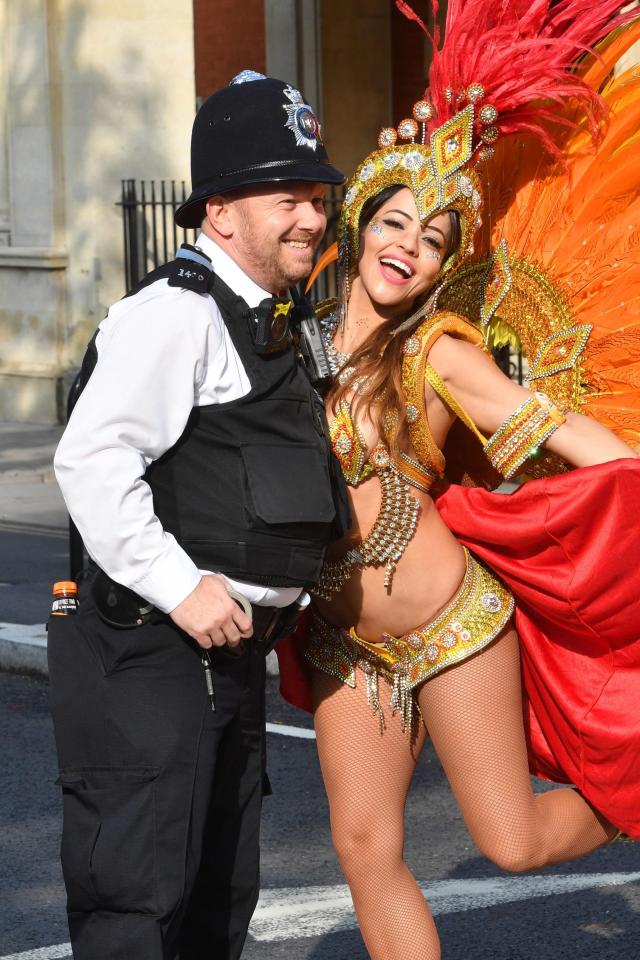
x=523 y=433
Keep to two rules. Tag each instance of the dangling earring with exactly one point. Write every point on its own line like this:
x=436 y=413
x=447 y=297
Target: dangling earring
x=345 y=285
x=431 y=305
x=425 y=312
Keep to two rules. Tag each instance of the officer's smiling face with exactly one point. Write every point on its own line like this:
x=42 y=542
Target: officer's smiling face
x=275 y=231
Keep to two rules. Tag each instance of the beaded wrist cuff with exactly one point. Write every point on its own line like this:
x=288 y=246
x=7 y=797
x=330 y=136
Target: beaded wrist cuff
x=521 y=434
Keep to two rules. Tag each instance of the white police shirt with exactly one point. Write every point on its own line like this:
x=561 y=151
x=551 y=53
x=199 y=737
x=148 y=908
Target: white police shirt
x=156 y=361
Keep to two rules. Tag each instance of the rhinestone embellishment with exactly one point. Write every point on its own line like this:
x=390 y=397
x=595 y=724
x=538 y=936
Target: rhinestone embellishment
x=413 y=160
x=391 y=160
x=350 y=195
x=407 y=129
x=367 y=172
x=415 y=640
x=380 y=456
x=411 y=347
x=491 y=602
x=422 y=110
x=344 y=444
x=466 y=187
x=452 y=145
x=490 y=135
x=475 y=92
x=488 y=113
x=412 y=413
x=387 y=137
x=449 y=640
x=432 y=653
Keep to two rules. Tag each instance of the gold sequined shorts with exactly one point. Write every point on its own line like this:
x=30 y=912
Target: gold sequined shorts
x=475 y=615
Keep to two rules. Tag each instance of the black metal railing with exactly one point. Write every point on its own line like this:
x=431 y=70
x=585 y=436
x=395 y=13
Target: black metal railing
x=510 y=362
x=150 y=234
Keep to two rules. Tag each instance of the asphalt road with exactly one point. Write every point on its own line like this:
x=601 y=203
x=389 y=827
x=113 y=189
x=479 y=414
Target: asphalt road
x=566 y=913
x=30 y=562
x=602 y=923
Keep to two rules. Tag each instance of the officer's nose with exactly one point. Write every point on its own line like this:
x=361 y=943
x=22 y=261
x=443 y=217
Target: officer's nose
x=311 y=217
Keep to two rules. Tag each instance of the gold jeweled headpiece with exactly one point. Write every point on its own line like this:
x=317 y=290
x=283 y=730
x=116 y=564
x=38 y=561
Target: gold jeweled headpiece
x=473 y=98
x=440 y=174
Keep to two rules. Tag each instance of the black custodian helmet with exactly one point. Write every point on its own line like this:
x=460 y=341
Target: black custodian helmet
x=256 y=130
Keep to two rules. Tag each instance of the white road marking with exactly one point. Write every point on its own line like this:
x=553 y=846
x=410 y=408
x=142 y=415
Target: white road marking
x=44 y=953
x=294 y=913
x=286 y=731
x=30 y=634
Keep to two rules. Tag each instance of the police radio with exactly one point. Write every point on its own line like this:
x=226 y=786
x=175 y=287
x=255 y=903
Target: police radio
x=310 y=343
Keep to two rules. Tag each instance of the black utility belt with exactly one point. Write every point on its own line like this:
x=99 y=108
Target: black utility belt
x=123 y=609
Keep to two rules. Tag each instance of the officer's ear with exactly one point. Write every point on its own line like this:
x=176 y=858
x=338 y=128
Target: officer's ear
x=218 y=215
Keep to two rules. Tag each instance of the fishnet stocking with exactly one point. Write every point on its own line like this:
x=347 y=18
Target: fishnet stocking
x=367 y=778
x=474 y=715
x=473 y=712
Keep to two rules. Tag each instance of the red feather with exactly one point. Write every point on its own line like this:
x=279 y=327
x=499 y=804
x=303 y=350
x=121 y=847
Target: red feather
x=410 y=14
x=523 y=52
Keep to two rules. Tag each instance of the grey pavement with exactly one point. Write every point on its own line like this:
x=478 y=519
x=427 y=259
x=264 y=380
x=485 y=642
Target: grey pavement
x=29 y=495
x=30 y=504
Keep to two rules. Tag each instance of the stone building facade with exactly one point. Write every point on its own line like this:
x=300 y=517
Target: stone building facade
x=95 y=91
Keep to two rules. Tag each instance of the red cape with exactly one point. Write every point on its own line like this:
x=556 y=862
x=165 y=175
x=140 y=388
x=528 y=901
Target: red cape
x=569 y=549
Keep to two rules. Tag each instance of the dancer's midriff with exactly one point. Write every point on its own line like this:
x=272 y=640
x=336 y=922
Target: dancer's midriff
x=428 y=574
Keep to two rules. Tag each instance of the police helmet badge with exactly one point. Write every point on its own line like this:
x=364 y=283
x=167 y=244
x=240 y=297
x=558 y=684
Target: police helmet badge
x=301 y=119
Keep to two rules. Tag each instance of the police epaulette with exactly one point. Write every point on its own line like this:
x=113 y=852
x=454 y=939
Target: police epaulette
x=192 y=270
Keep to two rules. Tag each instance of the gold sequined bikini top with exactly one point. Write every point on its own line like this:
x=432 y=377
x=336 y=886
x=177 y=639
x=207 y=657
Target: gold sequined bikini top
x=349 y=444
x=358 y=463
x=397 y=518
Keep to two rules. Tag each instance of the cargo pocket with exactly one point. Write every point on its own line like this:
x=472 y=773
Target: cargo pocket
x=108 y=847
x=287 y=485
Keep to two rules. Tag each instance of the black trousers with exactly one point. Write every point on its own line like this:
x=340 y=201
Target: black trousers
x=161 y=796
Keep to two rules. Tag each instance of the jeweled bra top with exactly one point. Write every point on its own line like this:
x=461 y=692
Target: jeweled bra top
x=397 y=517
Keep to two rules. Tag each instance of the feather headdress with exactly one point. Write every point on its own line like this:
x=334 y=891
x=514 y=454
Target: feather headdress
x=503 y=67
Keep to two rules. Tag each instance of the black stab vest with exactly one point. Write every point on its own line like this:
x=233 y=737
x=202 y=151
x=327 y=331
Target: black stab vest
x=249 y=489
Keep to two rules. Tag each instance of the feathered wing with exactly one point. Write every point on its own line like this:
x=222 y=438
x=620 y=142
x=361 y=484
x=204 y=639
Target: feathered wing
x=565 y=272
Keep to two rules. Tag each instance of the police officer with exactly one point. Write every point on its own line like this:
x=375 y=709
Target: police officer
x=196 y=467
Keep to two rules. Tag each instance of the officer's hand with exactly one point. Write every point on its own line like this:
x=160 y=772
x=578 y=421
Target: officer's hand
x=210 y=616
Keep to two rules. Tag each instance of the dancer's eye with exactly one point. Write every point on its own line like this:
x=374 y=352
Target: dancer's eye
x=433 y=242
x=394 y=224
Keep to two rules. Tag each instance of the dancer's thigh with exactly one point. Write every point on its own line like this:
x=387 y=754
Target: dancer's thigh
x=473 y=712
x=366 y=773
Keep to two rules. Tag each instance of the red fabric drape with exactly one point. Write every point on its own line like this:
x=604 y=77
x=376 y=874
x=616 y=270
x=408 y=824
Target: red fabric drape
x=569 y=549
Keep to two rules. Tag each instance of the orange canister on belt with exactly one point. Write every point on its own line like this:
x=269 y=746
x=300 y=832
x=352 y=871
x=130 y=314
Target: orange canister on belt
x=65 y=598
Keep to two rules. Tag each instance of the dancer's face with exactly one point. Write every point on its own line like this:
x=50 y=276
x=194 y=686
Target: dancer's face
x=400 y=258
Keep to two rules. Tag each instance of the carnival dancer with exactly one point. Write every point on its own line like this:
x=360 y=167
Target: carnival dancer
x=197 y=468
x=451 y=611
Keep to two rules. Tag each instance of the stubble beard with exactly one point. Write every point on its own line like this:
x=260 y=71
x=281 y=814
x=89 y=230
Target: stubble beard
x=272 y=266
x=265 y=258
